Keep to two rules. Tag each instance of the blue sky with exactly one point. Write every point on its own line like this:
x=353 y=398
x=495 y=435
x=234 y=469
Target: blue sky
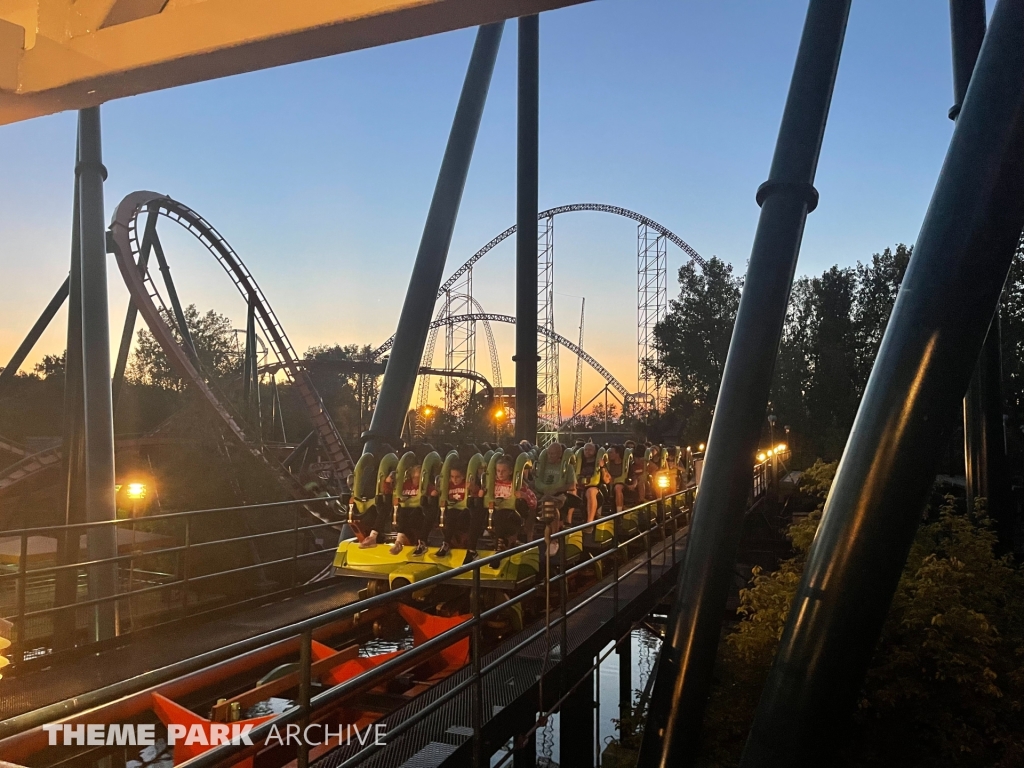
x=320 y=173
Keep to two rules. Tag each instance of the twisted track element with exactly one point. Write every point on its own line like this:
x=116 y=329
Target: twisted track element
x=489 y=317
x=126 y=235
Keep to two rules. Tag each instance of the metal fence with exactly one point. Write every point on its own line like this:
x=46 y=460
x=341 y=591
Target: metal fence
x=169 y=566
x=658 y=539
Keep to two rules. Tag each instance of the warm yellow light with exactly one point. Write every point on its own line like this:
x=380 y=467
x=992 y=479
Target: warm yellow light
x=780 y=448
x=663 y=481
x=427 y=410
x=499 y=414
x=700 y=447
x=769 y=451
x=136 y=490
x=5 y=643
x=761 y=457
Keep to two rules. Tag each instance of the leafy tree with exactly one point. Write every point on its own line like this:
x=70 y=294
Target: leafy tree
x=51 y=365
x=946 y=684
x=834 y=390
x=339 y=391
x=215 y=344
x=693 y=341
x=1012 y=330
x=834 y=324
x=877 y=286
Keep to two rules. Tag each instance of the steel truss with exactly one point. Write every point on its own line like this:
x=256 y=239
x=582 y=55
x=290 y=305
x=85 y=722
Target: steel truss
x=550 y=410
x=652 y=304
x=651 y=307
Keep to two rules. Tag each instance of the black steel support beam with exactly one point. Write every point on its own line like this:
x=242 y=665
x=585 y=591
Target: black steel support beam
x=411 y=335
x=688 y=655
x=172 y=295
x=967 y=31
x=576 y=726
x=26 y=346
x=527 y=203
x=73 y=446
x=907 y=415
x=99 y=419
x=985 y=461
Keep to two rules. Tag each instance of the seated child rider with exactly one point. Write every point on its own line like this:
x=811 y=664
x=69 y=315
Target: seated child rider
x=509 y=522
x=463 y=524
x=414 y=523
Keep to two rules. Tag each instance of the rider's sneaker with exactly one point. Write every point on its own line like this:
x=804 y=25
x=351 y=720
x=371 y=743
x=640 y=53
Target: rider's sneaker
x=421 y=549
x=471 y=555
x=500 y=546
x=444 y=550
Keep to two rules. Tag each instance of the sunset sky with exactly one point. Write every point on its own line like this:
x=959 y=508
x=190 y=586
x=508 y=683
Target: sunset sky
x=320 y=173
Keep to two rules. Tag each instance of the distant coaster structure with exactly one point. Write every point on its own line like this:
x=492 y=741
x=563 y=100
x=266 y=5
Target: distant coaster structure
x=458 y=312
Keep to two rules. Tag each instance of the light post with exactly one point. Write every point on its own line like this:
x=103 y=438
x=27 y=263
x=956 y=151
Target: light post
x=499 y=417
x=135 y=492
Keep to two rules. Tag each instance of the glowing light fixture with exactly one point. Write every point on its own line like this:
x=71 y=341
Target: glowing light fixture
x=663 y=481
x=761 y=457
x=700 y=447
x=780 y=448
x=136 y=490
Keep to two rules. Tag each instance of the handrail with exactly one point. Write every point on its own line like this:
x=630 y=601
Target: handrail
x=180 y=554
x=226 y=754
x=98 y=697
x=169 y=516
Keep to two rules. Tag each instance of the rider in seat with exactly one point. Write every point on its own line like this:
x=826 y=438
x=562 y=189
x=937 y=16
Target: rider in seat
x=511 y=504
x=374 y=514
x=465 y=517
x=556 y=478
x=416 y=501
x=588 y=477
x=617 y=474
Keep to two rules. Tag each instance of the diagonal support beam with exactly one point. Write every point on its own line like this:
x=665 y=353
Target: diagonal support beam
x=907 y=416
x=688 y=656
x=414 y=322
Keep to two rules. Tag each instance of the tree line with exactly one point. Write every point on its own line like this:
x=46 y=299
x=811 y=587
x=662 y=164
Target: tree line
x=833 y=328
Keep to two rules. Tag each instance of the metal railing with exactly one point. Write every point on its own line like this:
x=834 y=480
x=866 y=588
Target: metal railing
x=766 y=472
x=665 y=524
x=168 y=572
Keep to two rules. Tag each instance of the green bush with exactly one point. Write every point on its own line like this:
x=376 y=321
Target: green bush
x=946 y=684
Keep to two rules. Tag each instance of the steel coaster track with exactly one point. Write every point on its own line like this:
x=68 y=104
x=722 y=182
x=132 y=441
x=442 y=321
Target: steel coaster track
x=481 y=315
x=428 y=350
x=125 y=231
x=575 y=207
x=488 y=317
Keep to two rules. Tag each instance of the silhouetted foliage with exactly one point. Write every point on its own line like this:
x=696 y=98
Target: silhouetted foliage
x=946 y=684
x=833 y=327
x=215 y=346
x=693 y=341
